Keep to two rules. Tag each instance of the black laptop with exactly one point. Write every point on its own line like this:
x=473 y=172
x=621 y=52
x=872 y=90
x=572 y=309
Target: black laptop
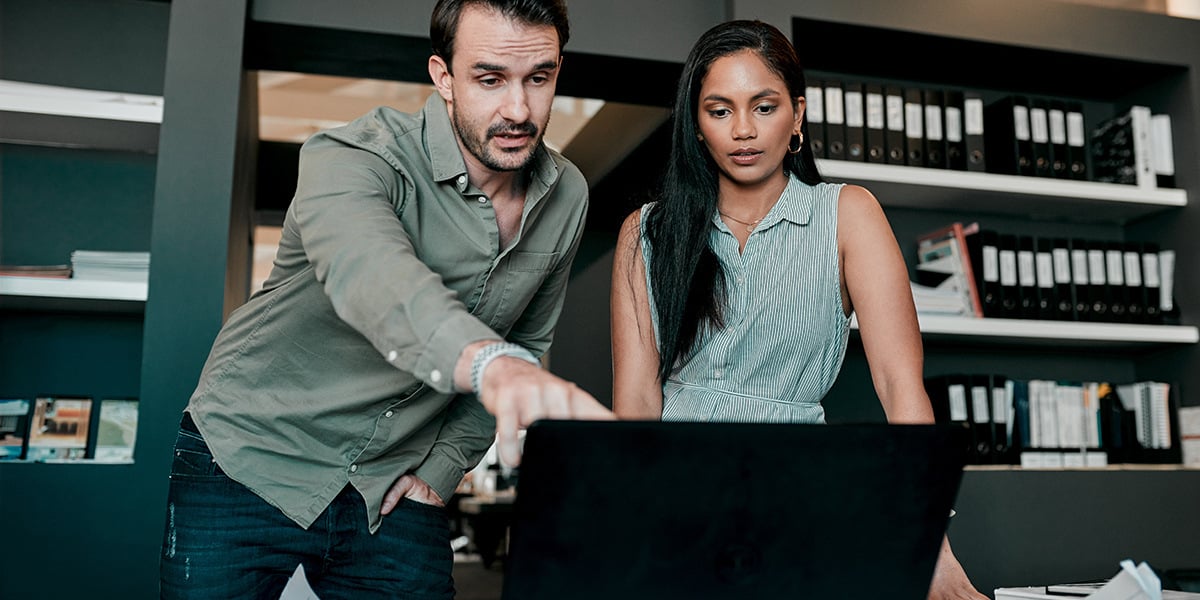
x=734 y=511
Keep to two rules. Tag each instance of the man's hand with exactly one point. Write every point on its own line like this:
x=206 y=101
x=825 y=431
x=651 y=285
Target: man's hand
x=950 y=582
x=409 y=486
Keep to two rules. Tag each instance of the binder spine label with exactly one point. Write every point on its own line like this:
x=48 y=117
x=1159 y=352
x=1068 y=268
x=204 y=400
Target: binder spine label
x=1075 y=135
x=1062 y=265
x=1058 y=127
x=814 y=108
x=1150 y=270
x=999 y=405
x=854 y=109
x=933 y=123
x=895 y=113
x=835 y=110
x=1039 y=130
x=980 y=401
x=1079 y=267
x=1045 y=270
x=914 y=127
x=1025 y=271
x=991 y=264
x=1096 y=267
x=957 y=396
x=954 y=127
x=1008 y=268
x=1114 y=260
x=1021 y=122
x=875 y=114
x=1133 y=270
x=973 y=116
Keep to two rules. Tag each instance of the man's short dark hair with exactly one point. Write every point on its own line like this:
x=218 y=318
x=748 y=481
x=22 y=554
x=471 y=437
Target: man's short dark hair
x=444 y=24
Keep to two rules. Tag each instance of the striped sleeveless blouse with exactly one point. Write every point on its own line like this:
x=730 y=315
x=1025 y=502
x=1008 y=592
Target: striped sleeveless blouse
x=785 y=332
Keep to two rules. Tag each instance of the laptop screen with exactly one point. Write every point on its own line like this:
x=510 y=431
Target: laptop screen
x=731 y=510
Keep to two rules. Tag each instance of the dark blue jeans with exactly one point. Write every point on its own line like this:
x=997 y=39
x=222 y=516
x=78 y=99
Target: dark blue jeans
x=223 y=541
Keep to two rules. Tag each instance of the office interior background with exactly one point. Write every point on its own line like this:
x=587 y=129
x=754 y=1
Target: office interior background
x=244 y=82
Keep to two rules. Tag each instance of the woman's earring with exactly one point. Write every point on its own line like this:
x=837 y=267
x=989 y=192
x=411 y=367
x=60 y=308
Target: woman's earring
x=799 y=143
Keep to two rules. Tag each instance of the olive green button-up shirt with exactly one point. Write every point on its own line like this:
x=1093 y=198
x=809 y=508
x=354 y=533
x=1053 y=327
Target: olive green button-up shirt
x=341 y=369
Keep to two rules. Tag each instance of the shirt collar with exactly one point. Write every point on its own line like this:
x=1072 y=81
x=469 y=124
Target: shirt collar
x=446 y=155
x=794 y=205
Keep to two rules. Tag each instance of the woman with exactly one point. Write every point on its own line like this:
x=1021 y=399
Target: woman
x=755 y=265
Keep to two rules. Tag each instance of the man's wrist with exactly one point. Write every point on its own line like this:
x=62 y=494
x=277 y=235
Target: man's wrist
x=485 y=355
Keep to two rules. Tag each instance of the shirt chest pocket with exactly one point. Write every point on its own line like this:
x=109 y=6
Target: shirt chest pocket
x=523 y=277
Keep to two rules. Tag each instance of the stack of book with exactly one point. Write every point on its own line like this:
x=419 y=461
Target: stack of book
x=111 y=266
x=68 y=429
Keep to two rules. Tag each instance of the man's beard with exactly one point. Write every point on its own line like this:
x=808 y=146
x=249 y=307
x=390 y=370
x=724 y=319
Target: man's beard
x=480 y=150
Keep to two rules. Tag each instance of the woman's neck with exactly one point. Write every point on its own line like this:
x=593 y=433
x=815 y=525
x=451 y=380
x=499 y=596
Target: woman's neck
x=750 y=201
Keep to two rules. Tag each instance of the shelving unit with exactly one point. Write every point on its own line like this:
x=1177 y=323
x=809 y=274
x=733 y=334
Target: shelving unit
x=990 y=193
x=72 y=294
x=1087 y=335
x=57 y=116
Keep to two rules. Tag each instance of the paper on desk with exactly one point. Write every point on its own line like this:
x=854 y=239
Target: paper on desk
x=1132 y=583
x=297 y=587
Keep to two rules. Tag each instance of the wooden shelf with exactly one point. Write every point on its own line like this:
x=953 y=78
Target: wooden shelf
x=1029 y=197
x=43 y=293
x=44 y=115
x=1052 y=333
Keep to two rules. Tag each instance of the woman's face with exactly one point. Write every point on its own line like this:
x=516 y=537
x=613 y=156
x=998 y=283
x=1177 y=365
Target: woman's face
x=746 y=119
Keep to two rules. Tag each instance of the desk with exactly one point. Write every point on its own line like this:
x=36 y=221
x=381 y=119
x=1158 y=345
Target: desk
x=489 y=516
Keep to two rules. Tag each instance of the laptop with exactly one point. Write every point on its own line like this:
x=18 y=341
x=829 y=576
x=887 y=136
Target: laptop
x=631 y=509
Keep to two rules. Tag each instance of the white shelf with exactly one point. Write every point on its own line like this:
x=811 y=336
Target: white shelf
x=72 y=294
x=1055 y=333
x=16 y=96
x=1037 y=197
x=44 y=115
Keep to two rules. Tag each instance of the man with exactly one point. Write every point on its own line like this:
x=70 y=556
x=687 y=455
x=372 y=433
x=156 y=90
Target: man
x=331 y=419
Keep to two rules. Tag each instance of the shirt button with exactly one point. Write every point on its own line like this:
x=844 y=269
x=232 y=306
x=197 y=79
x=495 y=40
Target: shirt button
x=391 y=357
x=435 y=375
x=482 y=199
x=462 y=179
x=353 y=468
x=718 y=373
x=389 y=414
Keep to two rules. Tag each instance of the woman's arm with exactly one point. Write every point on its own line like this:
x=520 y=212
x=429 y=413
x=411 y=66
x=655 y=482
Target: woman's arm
x=875 y=286
x=637 y=392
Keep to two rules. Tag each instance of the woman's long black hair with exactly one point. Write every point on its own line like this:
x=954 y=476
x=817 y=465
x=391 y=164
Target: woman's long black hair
x=687 y=279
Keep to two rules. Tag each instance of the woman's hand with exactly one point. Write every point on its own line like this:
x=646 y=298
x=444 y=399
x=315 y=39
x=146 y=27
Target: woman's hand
x=950 y=582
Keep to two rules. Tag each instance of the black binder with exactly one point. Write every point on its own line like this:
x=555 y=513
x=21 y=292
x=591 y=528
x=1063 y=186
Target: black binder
x=1135 y=289
x=1039 y=133
x=979 y=405
x=1027 y=277
x=914 y=127
x=935 y=137
x=1097 y=281
x=956 y=146
x=1080 y=282
x=1064 y=289
x=1152 y=281
x=1077 y=148
x=1047 y=292
x=1010 y=291
x=1002 y=414
x=893 y=103
x=856 y=140
x=814 y=111
x=1009 y=142
x=876 y=124
x=1115 y=290
x=1060 y=157
x=984 y=248
x=973 y=131
x=835 y=121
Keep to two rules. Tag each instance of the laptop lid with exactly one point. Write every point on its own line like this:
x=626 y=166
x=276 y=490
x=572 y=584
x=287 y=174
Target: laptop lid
x=631 y=509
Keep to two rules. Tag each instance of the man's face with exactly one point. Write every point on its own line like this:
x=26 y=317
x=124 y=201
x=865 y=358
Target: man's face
x=502 y=87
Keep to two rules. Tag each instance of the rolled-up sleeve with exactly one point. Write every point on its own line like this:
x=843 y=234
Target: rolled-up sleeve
x=346 y=207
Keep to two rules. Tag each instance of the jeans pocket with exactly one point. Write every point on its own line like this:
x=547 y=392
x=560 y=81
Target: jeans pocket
x=192 y=458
